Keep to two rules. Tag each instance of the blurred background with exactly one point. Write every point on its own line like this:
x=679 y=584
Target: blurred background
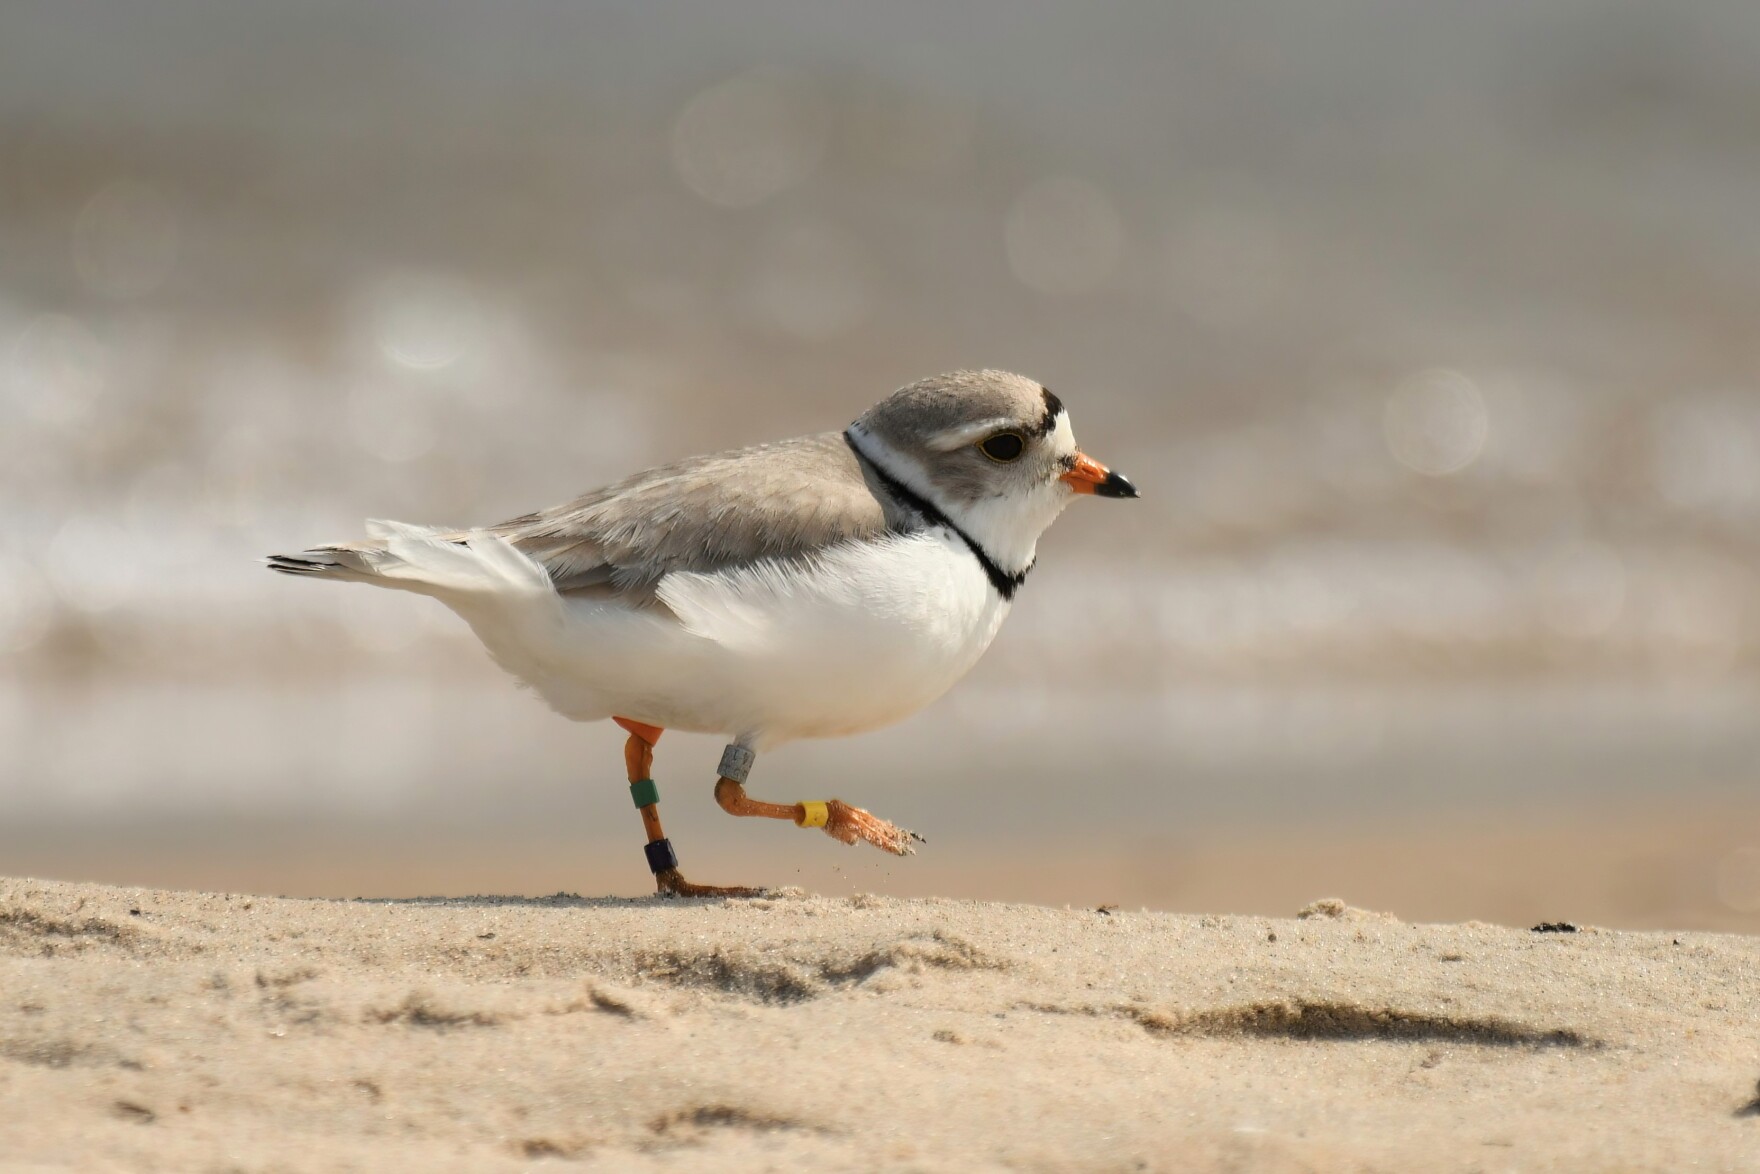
x=1428 y=331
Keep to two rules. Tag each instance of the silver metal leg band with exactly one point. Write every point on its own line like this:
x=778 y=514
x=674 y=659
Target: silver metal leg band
x=736 y=763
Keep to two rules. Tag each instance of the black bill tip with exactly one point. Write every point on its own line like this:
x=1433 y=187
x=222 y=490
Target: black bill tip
x=1115 y=485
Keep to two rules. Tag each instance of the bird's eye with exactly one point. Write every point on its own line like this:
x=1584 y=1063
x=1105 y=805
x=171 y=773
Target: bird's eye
x=1004 y=447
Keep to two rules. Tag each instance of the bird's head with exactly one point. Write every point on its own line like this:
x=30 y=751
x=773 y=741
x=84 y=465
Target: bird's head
x=992 y=450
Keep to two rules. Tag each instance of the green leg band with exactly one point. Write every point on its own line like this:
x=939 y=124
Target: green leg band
x=645 y=792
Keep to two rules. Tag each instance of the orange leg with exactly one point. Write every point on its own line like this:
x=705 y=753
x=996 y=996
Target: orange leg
x=841 y=821
x=638 y=758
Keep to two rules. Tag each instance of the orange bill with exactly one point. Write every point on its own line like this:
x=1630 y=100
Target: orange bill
x=1087 y=475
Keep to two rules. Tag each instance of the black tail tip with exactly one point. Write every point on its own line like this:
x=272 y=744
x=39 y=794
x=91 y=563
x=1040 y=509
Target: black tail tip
x=290 y=564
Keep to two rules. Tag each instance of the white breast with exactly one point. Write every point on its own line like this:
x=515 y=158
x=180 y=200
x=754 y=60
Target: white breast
x=871 y=633
x=863 y=635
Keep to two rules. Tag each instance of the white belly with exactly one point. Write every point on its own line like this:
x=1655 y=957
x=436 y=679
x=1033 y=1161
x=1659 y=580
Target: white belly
x=867 y=634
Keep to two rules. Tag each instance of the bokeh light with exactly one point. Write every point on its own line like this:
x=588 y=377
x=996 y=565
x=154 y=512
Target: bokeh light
x=94 y=564
x=1435 y=422
x=422 y=321
x=1708 y=453
x=751 y=137
x=59 y=370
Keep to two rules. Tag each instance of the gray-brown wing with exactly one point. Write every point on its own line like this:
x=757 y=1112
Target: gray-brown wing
x=781 y=500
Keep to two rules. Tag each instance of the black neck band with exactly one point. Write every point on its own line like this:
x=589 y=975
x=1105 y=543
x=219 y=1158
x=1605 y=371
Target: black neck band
x=1006 y=584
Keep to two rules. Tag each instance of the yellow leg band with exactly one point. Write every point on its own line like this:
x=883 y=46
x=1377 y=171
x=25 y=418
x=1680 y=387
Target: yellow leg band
x=814 y=815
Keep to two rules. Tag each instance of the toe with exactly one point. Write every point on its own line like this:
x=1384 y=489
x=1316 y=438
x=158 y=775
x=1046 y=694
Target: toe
x=672 y=884
x=849 y=824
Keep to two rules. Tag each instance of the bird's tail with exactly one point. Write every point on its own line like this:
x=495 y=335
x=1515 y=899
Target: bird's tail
x=431 y=560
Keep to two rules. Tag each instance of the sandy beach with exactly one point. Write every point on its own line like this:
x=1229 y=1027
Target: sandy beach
x=158 y=1030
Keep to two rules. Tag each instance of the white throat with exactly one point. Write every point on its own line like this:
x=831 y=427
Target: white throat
x=1007 y=528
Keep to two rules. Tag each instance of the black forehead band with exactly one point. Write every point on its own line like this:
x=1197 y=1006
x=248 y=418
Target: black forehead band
x=1053 y=409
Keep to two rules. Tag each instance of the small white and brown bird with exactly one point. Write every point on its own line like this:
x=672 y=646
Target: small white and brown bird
x=808 y=588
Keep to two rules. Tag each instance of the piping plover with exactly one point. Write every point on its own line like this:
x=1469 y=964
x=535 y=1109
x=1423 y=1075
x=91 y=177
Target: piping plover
x=808 y=588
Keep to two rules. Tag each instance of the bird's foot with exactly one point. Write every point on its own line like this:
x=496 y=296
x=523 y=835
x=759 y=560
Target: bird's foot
x=671 y=883
x=849 y=824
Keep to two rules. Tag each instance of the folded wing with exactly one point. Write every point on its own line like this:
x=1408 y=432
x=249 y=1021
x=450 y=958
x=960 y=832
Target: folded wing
x=783 y=500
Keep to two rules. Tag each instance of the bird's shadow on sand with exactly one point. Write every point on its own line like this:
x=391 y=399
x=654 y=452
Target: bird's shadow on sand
x=558 y=901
